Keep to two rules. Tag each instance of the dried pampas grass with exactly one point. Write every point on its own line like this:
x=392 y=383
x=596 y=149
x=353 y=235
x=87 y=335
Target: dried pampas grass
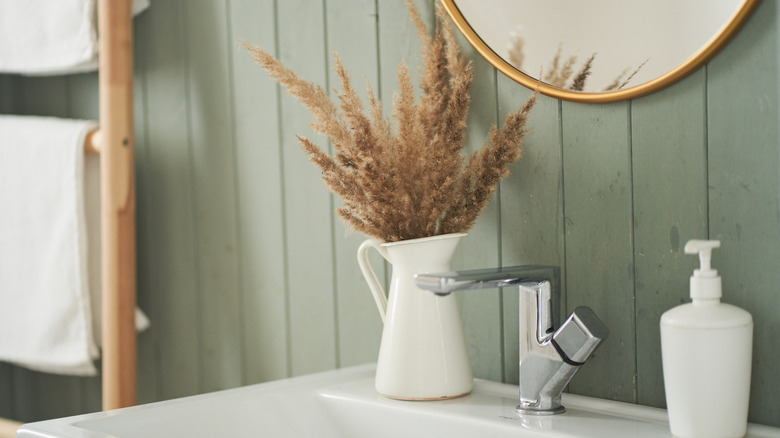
x=412 y=183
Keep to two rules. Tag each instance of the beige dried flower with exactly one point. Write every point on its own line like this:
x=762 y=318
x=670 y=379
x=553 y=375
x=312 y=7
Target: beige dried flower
x=412 y=183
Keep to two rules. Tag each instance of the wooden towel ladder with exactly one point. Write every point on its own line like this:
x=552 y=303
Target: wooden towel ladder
x=114 y=142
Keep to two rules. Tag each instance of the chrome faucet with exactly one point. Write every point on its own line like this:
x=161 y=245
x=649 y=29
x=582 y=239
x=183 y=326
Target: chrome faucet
x=549 y=358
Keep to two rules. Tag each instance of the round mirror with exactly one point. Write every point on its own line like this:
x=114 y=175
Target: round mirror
x=598 y=51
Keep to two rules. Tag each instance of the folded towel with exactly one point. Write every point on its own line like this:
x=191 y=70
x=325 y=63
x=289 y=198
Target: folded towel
x=46 y=315
x=49 y=37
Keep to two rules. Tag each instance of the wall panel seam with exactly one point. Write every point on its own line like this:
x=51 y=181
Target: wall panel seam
x=192 y=191
x=242 y=362
x=331 y=202
x=633 y=244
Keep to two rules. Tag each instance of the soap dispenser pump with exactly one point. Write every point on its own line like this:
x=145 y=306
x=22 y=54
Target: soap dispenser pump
x=706 y=347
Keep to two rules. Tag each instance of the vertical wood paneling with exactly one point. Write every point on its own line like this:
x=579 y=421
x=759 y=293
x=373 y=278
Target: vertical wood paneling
x=27 y=394
x=481 y=310
x=146 y=373
x=398 y=41
x=308 y=206
x=260 y=206
x=352 y=34
x=42 y=96
x=744 y=182
x=6 y=391
x=213 y=164
x=598 y=227
x=531 y=204
x=669 y=148
x=168 y=223
x=7 y=94
x=247 y=275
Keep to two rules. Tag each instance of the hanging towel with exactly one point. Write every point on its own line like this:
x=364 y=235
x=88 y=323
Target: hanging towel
x=50 y=37
x=45 y=313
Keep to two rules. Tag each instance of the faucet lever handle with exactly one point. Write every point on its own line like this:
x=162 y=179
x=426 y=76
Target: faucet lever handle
x=579 y=336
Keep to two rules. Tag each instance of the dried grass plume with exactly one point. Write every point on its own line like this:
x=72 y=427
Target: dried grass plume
x=410 y=182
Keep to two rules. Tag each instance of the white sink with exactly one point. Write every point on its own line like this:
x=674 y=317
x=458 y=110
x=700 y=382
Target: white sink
x=343 y=404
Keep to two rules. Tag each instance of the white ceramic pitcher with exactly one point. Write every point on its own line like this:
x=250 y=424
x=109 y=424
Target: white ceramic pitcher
x=423 y=353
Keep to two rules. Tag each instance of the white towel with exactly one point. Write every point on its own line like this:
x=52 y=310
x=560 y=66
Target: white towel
x=45 y=312
x=49 y=37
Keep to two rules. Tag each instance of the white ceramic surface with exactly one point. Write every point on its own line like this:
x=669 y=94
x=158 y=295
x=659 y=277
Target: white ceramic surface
x=423 y=351
x=344 y=404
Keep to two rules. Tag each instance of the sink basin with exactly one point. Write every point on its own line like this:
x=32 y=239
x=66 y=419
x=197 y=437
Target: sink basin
x=343 y=403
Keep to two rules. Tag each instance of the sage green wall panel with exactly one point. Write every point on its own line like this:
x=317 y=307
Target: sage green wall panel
x=42 y=96
x=83 y=96
x=669 y=159
x=480 y=310
x=6 y=389
x=308 y=205
x=398 y=42
x=531 y=203
x=599 y=252
x=214 y=186
x=27 y=395
x=352 y=34
x=166 y=204
x=744 y=153
x=7 y=94
x=147 y=370
x=260 y=206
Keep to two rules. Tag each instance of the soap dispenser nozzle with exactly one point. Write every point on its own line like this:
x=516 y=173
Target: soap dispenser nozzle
x=704 y=248
x=705 y=282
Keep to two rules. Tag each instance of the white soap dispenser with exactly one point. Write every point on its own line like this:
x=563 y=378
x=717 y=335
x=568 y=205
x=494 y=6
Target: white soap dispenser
x=706 y=348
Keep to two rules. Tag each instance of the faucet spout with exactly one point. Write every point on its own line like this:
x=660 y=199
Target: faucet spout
x=548 y=357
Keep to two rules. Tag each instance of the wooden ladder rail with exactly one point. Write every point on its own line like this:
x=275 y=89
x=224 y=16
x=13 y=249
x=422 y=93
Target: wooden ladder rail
x=117 y=197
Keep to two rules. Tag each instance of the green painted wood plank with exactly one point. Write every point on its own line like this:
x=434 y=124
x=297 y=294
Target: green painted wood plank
x=41 y=396
x=7 y=94
x=168 y=228
x=146 y=370
x=670 y=207
x=531 y=203
x=83 y=96
x=598 y=230
x=6 y=391
x=214 y=185
x=352 y=34
x=42 y=96
x=398 y=41
x=308 y=206
x=480 y=311
x=26 y=396
x=260 y=204
x=744 y=195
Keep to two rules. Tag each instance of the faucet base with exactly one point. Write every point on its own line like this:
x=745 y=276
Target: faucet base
x=539 y=412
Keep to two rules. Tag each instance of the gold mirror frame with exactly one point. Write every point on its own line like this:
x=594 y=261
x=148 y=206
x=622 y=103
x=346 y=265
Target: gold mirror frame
x=693 y=63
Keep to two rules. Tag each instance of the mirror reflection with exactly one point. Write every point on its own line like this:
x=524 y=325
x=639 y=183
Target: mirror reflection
x=597 y=46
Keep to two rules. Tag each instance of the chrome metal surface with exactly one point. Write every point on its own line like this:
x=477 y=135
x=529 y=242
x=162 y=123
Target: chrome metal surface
x=549 y=358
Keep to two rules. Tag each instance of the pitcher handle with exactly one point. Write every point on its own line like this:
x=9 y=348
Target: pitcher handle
x=380 y=298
